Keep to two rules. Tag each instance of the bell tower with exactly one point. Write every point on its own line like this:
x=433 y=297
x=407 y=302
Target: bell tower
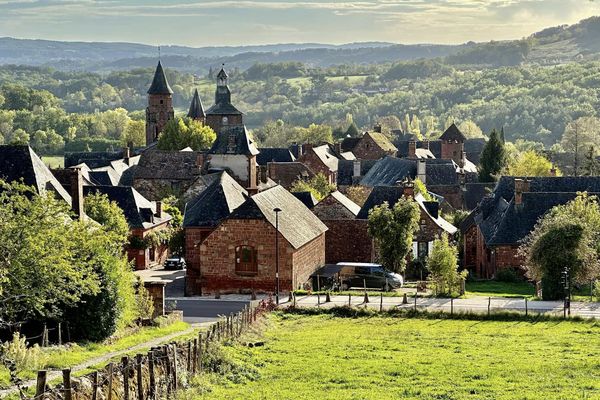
x=160 y=105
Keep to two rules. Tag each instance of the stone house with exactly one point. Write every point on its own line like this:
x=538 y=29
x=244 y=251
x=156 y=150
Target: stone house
x=373 y=146
x=286 y=173
x=494 y=230
x=320 y=159
x=347 y=238
x=146 y=221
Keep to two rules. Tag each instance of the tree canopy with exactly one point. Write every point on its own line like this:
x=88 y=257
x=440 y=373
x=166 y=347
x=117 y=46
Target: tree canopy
x=530 y=163
x=180 y=133
x=493 y=158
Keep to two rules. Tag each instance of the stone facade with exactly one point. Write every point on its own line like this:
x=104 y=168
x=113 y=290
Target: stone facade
x=369 y=149
x=152 y=256
x=217 y=259
x=193 y=240
x=348 y=240
x=316 y=165
x=485 y=262
x=218 y=121
x=158 y=113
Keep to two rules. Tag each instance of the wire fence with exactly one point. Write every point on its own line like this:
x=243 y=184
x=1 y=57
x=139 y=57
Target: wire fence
x=158 y=374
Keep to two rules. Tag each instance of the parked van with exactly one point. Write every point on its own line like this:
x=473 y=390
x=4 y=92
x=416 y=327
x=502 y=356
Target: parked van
x=347 y=275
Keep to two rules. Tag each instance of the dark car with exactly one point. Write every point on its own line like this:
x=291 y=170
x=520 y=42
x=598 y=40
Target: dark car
x=347 y=275
x=175 y=263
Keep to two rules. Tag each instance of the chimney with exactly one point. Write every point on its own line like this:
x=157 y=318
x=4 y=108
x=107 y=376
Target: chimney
x=356 y=168
x=296 y=150
x=377 y=128
x=553 y=170
x=409 y=188
x=158 y=209
x=421 y=170
x=521 y=186
x=463 y=159
x=306 y=147
x=77 y=193
x=412 y=149
x=426 y=144
x=263 y=173
x=200 y=161
x=337 y=148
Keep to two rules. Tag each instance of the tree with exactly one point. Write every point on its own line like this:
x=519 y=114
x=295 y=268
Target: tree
x=566 y=237
x=530 y=163
x=393 y=229
x=352 y=130
x=180 y=133
x=421 y=189
x=579 y=136
x=443 y=267
x=471 y=130
x=134 y=133
x=591 y=166
x=493 y=158
x=319 y=186
x=314 y=134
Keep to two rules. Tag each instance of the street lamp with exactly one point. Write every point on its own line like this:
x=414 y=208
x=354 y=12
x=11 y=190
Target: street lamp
x=277 y=211
x=567 y=291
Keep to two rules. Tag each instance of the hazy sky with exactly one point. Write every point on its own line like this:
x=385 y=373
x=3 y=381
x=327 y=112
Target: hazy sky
x=213 y=22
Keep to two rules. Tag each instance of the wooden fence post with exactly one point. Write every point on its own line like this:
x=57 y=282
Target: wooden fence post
x=140 y=382
x=489 y=305
x=168 y=375
x=195 y=362
x=416 y=295
x=452 y=306
x=151 y=377
x=95 y=385
x=381 y=302
x=40 y=387
x=349 y=299
x=526 y=307
x=67 y=383
x=111 y=368
x=125 y=364
x=189 y=355
x=175 y=383
x=59 y=334
x=200 y=352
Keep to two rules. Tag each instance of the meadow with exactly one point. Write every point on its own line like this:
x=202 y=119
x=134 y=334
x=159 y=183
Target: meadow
x=382 y=357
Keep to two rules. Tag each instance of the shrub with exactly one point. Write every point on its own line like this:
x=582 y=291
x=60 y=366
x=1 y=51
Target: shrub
x=16 y=353
x=510 y=275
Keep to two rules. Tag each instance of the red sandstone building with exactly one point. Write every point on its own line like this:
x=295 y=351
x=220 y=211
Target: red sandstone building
x=230 y=240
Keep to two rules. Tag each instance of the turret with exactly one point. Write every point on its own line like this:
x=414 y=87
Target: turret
x=196 y=111
x=160 y=105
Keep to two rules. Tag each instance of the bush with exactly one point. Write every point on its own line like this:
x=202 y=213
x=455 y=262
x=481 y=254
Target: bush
x=17 y=354
x=93 y=144
x=510 y=275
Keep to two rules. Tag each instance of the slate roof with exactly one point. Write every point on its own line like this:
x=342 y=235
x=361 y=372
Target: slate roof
x=441 y=173
x=140 y=213
x=297 y=224
x=391 y=195
x=93 y=159
x=473 y=148
x=453 y=134
x=159 y=82
x=306 y=198
x=474 y=193
x=172 y=165
x=349 y=143
x=196 y=109
x=19 y=162
x=382 y=141
x=286 y=173
x=346 y=202
x=215 y=203
x=346 y=170
x=223 y=108
x=327 y=156
x=234 y=140
x=388 y=171
x=270 y=154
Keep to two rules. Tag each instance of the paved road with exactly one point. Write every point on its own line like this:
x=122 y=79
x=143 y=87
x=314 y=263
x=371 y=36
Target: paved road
x=474 y=304
x=202 y=309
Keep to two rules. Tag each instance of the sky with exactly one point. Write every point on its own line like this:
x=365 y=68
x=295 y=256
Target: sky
x=243 y=22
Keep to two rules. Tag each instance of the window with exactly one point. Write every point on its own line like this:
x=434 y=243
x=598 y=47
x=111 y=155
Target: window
x=225 y=120
x=162 y=101
x=422 y=250
x=245 y=260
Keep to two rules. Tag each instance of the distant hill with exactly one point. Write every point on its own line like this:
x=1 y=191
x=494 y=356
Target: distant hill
x=550 y=46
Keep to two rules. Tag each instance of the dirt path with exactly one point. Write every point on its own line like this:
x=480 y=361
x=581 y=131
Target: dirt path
x=54 y=374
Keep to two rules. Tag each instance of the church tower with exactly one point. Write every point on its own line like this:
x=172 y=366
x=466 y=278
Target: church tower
x=223 y=114
x=196 y=111
x=160 y=105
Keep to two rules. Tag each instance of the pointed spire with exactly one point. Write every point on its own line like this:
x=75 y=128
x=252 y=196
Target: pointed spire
x=196 y=110
x=222 y=77
x=159 y=83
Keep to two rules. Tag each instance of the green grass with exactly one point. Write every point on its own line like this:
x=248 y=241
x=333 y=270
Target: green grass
x=54 y=161
x=382 y=357
x=500 y=289
x=74 y=354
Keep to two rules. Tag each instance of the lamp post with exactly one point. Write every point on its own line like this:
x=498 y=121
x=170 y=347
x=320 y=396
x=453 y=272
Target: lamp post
x=277 y=211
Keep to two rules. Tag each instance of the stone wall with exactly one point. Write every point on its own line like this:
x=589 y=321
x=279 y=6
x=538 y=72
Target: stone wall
x=193 y=239
x=347 y=240
x=368 y=149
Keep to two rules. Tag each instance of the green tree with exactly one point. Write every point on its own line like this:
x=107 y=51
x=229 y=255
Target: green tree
x=471 y=130
x=421 y=189
x=319 y=186
x=352 y=130
x=180 y=133
x=568 y=236
x=315 y=134
x=443 y=267
x=393 y=229
x=530 y=163
x=135 y=133
x=592 y=167
x=579 y=136
x=108 y=214
x=493 y=158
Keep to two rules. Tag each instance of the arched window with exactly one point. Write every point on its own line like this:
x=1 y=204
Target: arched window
x=245 y=260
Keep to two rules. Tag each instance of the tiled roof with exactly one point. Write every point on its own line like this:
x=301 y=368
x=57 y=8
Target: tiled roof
x=269 y=154
x=306 y=198
x=349 y=143
x=286 y=173
x=159 y=82
x=173 y=165
x=139 y=212
x=453 y=134
x=388 y=171
x=346 y=170
x=297 y=224
x=216 y=202
x=21 y=163
x=382 y=141
x=93 y=159
x=234 y=140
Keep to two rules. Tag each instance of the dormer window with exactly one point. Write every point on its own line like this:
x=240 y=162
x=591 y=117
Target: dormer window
x=225 y=121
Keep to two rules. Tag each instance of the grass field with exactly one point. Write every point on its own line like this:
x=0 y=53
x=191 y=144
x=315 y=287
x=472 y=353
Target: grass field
x=326 y=357
x=500 y=289
x=54 y=161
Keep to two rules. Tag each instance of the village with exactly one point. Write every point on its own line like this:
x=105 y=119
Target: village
x=380 y=220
